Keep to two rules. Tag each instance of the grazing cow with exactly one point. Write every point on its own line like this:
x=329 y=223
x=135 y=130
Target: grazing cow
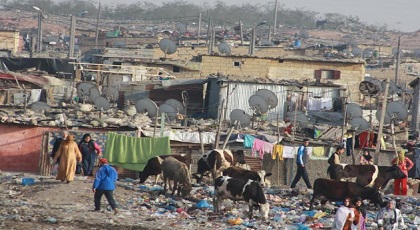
x=154 y=168
x=237 y=189
x=240 y=173
x=366 y=175
x=178 y=172
x=334 y=190
x=216 y=161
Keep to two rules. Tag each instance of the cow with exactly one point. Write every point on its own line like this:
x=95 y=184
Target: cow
x=216 y=161
x=334 y=190
x=240 y=173
x=366 y=175
x=237 y=189
x=178 y=172
x=154 y=168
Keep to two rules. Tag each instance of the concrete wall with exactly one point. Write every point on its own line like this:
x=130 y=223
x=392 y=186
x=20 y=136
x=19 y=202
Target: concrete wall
x=351 y=73
x=9 y=40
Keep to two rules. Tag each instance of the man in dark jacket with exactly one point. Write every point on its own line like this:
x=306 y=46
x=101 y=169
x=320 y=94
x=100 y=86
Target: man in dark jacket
x=58 y=142
x=301 y=160
x=104 y=183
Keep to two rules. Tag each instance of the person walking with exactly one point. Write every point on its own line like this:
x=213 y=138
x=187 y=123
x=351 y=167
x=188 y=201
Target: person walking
x=345 y=216
x=301 y=161
x=57 y=143
x=405 y=164
x=366 y=158
x=335 y=158
x=90 y=152
x=68 y=153
x=390 y=218
x=104 y=183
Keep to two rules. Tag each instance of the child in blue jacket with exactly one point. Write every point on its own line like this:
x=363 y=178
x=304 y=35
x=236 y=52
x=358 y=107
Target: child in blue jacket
x=104 y=183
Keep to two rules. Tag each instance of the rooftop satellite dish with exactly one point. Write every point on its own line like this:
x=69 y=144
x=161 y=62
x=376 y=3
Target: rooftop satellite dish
x=353 y=110
x=356 y=51
x=370 y=87
x=269 y=97
x=241 y=116
x=148 y=106
x=39 y=106
x=167 y=46
x=258 y=104
x=359 y=124
x=169 y=111
x=224 y=48
x=177 y=105
x=102 y=103
x=301 y=118
x=387 y=119
x=86 y=89
x=397 y=111
x=110 y=92
x=393 y=88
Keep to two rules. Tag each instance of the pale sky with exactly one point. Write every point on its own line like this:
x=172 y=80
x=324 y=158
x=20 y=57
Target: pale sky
x=397 y=14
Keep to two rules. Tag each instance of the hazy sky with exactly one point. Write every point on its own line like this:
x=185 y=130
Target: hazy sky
x=402 y=14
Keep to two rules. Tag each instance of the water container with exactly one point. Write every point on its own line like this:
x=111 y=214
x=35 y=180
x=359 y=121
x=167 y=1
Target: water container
x=298 y=43
x=28 y=181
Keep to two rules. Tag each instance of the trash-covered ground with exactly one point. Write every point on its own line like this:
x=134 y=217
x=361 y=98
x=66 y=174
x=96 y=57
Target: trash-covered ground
x=44 y=203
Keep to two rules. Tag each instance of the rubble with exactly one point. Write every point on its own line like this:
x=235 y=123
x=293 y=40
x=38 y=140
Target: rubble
x=67 y=206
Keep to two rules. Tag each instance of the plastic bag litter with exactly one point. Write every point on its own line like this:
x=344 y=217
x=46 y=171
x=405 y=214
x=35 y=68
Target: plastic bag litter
x=203 y=204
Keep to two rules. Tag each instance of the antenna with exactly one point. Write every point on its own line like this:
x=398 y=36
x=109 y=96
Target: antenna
x=240 y=116
x=102 y=103
x=169 y=110
x=167 y=46
x=224 y=48
x=258 y=104
x=269 y=97
x=148 y=106
x=39 y=106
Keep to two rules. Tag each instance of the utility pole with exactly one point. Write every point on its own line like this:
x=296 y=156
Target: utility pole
x=275 y=17
x=252 y=43
x=208 y=30
x=241 y=32
x=72 y=34
x=381 y=122
x=97 y=25
x=210 y=36
x=39 y=38
x=397 y=67
x=199 y=30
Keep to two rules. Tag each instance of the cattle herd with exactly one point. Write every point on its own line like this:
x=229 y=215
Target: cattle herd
x=236 y=183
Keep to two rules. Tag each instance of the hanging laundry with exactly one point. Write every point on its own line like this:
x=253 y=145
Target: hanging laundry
x=318 y=151
x=326 y=103
x=277 y=152
x=309 y=151
x=258 y=146
x=248 y=141
x=268 y=148
x=317 y=133
x=289 y=151
x=314 y=103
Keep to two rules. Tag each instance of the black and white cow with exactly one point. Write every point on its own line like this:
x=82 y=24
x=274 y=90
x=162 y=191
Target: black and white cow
x=216 y=161
x=240 y=173
x=236 y=189
x=366 y=175
x=334 y=190
x=154 y=166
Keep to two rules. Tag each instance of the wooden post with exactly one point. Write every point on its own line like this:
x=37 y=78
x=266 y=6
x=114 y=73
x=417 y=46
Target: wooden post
x=229 y=134
x=381 y=122
x=200 y=132
x=353 y=139
x=216 y=144
x=98 y=75
x=393 y=137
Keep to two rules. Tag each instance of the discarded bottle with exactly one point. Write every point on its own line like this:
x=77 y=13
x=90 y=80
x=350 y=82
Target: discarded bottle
x=28 y=181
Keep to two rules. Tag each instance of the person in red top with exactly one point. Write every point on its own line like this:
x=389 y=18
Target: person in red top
x=405 y=164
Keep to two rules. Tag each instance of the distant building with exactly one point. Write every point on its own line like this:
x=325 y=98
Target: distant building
x=9 y=41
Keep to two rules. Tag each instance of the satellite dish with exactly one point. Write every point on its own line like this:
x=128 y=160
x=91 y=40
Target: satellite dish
x=397 y=110
x=269 y=97
x=86 y=89
x=110 y=92
x=258 y=104
x=39 y=106
x=359 y=124
x=393 y=88
x=368 y=53
x=148 y=106
x=387 y=119
x=167 y=46
x=356 y=51
x=177 y=105
x=102 y=103
x=370 y=87
x=241 y=116
x=224 y=48
x=301 y=118
x=169 y=110
x=353 y=110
